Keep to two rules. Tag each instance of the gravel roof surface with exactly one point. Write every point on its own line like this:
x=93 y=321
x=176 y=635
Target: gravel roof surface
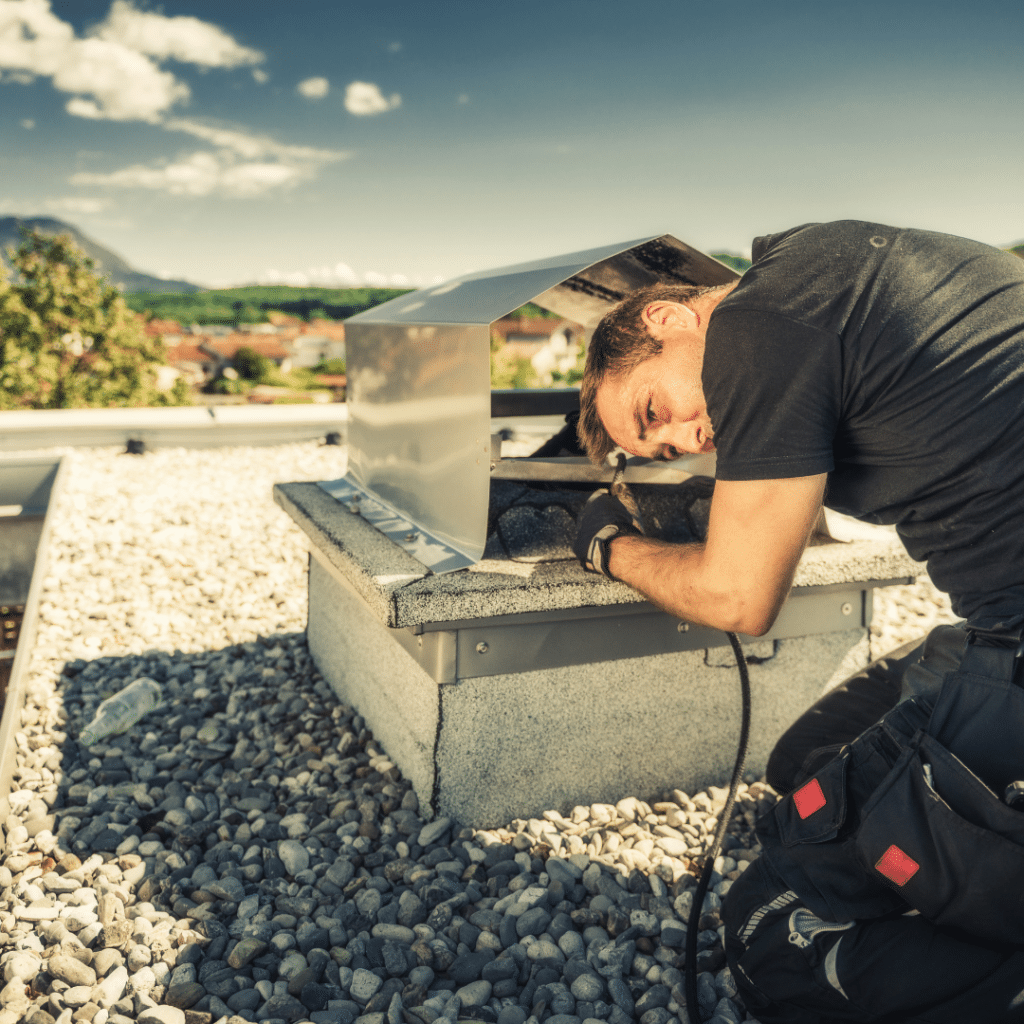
x=248 y=852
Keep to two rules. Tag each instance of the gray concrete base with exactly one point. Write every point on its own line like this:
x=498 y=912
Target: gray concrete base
x=488 y=749
x=367 y=668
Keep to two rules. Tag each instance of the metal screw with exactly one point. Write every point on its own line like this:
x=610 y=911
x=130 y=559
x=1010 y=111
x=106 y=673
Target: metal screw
x=482 y=648
x=410 y=537
x=682 y=627
x=847 y=608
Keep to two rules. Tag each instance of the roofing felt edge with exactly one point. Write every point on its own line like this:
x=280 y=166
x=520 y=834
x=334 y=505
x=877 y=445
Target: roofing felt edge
x=402 y=592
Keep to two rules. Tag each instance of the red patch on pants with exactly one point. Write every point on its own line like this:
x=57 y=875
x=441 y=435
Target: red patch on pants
x=808 y=799
x=897 y=866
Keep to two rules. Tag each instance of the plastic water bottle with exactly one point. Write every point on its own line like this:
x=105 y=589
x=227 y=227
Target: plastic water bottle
x=119 y=713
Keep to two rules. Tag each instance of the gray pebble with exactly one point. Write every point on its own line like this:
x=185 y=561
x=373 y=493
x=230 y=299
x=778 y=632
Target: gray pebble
x=229 y=888
x=364 y=985
x=293 y=855
x=433 y=831
x=343 y=875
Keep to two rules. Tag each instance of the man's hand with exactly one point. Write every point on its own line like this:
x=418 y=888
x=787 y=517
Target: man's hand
x=602 y=519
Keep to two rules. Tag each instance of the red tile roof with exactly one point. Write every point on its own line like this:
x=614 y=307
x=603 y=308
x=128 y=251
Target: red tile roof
x=535 y=326
x=333 y=329
x=228 y=346
x=155 y=327
x=187 y=354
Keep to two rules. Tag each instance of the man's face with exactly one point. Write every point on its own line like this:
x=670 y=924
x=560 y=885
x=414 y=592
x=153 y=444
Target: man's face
x=657 y=410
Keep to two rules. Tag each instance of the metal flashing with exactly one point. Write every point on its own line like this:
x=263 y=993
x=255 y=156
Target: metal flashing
x=431 y=550
x=502 y=645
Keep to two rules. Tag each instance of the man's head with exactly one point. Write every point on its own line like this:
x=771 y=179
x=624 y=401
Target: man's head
x=641 y=387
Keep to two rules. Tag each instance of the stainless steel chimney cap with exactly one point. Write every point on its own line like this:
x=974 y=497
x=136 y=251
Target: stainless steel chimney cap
x=419 y=385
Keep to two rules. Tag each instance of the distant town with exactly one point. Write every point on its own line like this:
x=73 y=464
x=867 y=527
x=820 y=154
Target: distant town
x=289 y=359
x=279 y=344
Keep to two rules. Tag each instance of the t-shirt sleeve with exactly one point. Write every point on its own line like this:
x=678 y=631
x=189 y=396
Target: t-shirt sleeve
x=774 y=394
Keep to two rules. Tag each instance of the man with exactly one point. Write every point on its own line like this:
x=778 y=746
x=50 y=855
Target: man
x=880 y=370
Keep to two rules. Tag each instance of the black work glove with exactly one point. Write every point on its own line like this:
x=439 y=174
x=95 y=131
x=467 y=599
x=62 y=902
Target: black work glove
x=602 y=519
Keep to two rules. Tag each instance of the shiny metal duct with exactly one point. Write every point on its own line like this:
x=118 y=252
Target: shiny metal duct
x=419 y=392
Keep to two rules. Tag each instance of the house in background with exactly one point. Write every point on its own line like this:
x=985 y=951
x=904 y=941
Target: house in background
x=524 y=336
x=189 y=359
x=549 y=344
x=166 y=329
x=314 y=343
x=224 y=350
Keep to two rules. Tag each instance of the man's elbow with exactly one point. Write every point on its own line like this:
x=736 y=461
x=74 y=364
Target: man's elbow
x=751 y=617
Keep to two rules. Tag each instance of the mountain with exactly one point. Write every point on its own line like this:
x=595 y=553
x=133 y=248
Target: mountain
x=108 y=263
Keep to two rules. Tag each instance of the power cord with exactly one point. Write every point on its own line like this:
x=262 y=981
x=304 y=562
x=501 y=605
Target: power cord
x=693 y=1006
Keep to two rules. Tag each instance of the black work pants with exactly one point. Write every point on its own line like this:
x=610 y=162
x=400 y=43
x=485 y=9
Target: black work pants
x=843 y=713
x=795 y=967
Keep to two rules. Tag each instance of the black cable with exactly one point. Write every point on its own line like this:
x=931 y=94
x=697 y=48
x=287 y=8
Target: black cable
x=692 y=1005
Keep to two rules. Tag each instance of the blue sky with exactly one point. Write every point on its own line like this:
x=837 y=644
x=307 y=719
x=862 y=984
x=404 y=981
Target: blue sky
x=335 y=142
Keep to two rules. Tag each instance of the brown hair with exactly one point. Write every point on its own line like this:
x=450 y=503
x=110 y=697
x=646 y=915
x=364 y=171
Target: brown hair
x=621 y=342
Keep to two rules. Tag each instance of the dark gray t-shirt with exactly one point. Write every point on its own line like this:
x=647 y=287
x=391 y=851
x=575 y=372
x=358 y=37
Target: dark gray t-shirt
x=893 y=360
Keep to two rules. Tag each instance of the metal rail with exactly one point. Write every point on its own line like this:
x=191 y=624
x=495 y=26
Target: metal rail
x=184 y=427
x=28 y=489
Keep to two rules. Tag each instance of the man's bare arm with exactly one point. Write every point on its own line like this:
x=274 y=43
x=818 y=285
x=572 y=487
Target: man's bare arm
x=739 y=578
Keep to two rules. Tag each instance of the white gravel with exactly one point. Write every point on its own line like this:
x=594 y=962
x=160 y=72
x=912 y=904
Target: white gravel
x=179 y=563
x=176 y=549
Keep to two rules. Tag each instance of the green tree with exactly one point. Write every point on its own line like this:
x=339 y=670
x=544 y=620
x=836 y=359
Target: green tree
x=251 y=365
x=330 y=366
x=67 y=339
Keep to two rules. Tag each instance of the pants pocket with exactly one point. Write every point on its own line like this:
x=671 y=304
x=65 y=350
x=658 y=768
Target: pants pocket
x=935 y=833
x=979 y=716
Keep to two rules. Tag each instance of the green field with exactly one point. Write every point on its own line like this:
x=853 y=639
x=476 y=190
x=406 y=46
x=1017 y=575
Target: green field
x=251 y=304
x=738 y=263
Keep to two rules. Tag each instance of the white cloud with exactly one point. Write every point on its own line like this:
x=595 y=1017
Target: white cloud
x=200 y=174
x=114 y=74
x=394 y=47
x=260 y=76
x=77 y=205
x=463 y=97
x=252 y=146
x=345 y=275
x=313 y=88
x=365 y=98
x=243 y=166
x=28 y=123
x=181 y=38
x=32 y=38
x=123 y=85
x=341 y=275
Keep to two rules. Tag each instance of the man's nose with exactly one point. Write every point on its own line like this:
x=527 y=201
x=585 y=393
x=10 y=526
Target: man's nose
x=684 y=437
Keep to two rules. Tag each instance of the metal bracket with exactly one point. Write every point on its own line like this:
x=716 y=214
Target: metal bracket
x=575 y=470
x=434 y=553
x=508 y=644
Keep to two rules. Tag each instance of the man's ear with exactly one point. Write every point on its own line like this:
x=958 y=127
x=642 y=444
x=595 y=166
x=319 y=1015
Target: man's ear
x=664 y=313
